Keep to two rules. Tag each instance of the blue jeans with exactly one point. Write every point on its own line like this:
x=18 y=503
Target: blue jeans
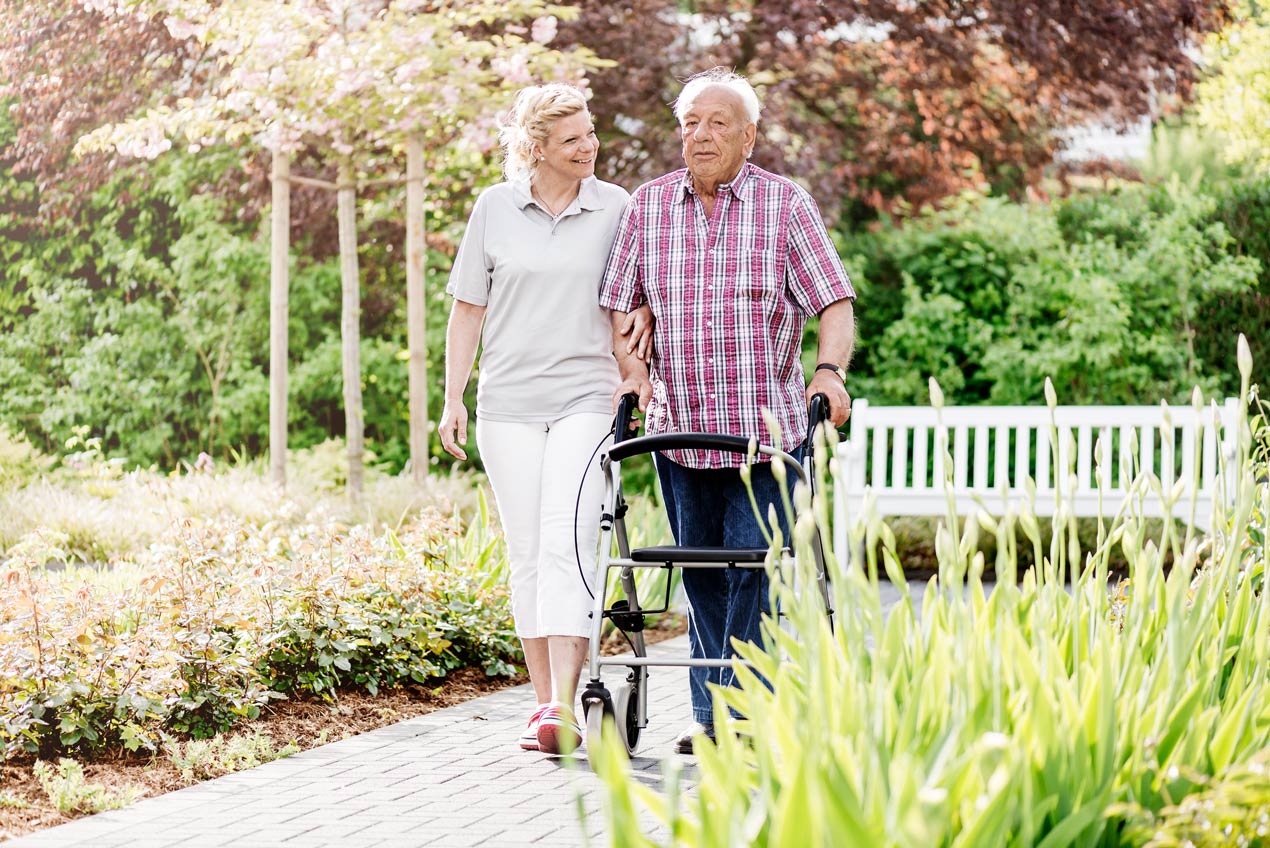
x=711 y=508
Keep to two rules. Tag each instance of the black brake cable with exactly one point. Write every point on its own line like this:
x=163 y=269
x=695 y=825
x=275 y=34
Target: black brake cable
x=577 y=509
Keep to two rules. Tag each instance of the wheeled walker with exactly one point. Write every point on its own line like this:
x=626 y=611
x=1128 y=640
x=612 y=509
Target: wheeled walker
x=627 y=702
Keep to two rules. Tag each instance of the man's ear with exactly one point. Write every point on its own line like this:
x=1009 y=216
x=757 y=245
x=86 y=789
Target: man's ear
x=751 y=135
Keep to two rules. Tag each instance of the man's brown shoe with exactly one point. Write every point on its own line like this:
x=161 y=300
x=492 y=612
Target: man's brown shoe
x=683 y=745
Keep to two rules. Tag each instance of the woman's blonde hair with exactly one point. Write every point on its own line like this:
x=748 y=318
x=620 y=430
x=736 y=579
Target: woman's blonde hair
x=529 y=122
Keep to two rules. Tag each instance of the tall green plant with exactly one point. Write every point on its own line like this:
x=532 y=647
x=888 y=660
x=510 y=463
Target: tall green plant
x=1047 y=712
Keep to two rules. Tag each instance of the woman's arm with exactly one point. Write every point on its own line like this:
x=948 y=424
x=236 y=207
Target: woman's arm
x=462 y=335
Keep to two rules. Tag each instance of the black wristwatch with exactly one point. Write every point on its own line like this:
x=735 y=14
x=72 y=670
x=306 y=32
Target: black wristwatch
x=837 y=369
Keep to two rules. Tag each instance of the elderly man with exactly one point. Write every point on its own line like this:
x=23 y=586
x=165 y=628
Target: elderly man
x=732 y=260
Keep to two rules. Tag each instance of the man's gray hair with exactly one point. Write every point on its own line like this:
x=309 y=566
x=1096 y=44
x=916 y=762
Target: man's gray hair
x=718 y=76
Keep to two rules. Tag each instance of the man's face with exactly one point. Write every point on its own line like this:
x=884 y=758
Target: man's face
x=717 y=137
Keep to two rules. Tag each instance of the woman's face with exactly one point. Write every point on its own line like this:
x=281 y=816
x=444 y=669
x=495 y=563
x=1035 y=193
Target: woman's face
x=570 y=149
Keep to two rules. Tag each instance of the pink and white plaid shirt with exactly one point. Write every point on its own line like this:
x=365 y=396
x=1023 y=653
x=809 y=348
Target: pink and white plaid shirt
x=730 y=295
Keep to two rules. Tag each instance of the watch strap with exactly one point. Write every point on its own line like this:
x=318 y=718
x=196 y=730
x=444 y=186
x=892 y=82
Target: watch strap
x=837 y=369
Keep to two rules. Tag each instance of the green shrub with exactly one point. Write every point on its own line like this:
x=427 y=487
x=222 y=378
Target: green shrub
x=1114 y=296
x=227 y=614
x=1243 y=208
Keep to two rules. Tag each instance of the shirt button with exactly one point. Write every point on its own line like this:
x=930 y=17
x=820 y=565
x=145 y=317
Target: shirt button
x=710 y=359
x=709 y=323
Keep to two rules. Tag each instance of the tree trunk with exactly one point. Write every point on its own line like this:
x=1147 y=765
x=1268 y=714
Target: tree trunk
x=280 y=235
x=416 y=310
x=350 y=328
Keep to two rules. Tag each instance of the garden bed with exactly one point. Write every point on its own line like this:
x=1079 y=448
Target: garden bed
x=290 y=726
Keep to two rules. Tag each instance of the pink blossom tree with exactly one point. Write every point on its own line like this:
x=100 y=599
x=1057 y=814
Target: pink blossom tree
x=361 y=81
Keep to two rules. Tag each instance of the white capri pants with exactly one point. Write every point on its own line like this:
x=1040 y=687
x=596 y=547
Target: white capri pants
x=535 y=471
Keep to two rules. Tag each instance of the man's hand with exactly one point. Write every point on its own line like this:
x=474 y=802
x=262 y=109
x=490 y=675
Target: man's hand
x=453 y=428
x=637 y=383
x=830 y=385
x=633 y=370
x=638 y=328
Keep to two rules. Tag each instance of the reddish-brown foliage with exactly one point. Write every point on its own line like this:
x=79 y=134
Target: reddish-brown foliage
x=879 y=103
x=874 y=103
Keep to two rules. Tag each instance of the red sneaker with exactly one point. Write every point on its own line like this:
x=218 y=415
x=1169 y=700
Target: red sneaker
x=558 y=731
x=529 y=739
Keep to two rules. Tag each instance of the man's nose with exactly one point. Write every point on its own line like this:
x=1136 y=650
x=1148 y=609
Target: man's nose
x=699 y=132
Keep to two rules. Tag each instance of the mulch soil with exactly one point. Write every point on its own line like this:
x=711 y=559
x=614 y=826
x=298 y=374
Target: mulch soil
x=307 y=723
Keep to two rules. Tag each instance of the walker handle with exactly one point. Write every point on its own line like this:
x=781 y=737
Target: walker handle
x=626 y=407
x=817 y=413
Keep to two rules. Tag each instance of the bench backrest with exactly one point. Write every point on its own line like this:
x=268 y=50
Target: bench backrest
x=893 y=453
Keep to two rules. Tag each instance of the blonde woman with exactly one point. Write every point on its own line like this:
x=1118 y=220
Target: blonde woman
x=525 y=284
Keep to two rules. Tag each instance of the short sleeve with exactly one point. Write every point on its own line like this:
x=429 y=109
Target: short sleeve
x=472 y=270
x=814 y=274
x=622 y=286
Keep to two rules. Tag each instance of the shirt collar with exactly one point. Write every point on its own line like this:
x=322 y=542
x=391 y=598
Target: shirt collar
x=589 y=197
x=741 y=187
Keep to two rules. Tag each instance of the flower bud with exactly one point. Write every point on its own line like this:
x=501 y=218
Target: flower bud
x=936 y=394
x=1244 y=357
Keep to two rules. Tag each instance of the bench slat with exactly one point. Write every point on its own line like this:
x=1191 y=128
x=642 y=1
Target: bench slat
x=1103 y=470
x=981 y=458
x=1188 y=455
x=1084 y=458
x=941 y=451
x=1167 y=435
x=1208 y=464
x=1065 y=459
x=1146 y=451
x=879 y=457
x=1042 y=458
x=1126 y=458
x=920 y=437
x=960 y=449
x=899 y=459
x=1001 y=471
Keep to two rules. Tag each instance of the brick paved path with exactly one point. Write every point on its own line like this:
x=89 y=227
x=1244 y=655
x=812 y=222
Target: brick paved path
x=454 y=777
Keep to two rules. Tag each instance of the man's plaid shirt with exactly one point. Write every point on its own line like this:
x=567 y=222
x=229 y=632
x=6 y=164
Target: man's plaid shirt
x=730 y=295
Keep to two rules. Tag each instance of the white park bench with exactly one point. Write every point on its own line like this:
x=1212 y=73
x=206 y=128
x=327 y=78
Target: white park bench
x=892 y=455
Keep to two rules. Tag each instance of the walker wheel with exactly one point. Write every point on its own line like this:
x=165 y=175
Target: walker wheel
x=626 y=704
x=595 y=715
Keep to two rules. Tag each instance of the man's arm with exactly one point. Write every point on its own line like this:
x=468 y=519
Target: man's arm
x=835 y=344
x=634 y=371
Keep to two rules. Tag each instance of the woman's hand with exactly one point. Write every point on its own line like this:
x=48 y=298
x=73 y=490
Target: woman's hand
x=638 y=327
x=453 y=428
